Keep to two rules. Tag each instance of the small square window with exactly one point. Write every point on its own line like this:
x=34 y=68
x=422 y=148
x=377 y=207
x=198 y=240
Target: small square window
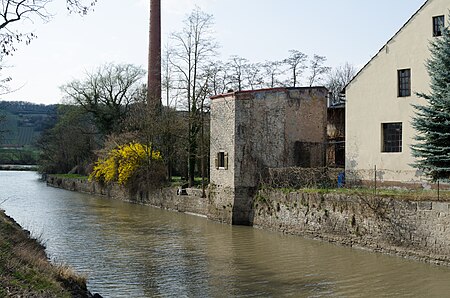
x=438 y=25
x=404 y=82
x=392 y=137
x=222 y=160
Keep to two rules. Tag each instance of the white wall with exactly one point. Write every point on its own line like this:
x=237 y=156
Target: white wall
x=372 y=99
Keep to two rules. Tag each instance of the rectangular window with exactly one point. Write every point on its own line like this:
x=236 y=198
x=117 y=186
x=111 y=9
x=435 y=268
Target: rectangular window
x=404 y=82
x=438 y=25
x=392 y=137
x=222 y=160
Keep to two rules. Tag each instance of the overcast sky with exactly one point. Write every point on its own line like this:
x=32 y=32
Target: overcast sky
x=69 y=45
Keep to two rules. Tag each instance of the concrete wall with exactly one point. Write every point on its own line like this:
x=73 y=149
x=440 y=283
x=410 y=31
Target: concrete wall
x=372 y=98
x=262 y=129
x=412 y=229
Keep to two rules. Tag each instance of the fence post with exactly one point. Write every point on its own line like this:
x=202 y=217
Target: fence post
x=438 y=188
x=375 y=184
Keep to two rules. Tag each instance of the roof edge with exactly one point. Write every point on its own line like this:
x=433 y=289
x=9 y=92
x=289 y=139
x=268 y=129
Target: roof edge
x=283 y=89
x=396 y=33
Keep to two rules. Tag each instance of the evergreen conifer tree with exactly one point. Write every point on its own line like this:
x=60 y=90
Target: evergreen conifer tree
x=432 y=121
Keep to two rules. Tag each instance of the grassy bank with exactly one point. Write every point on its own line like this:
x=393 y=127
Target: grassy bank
x=25 y=270
x=401 y=194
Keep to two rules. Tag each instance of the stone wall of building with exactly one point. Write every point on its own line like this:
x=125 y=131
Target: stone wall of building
x=407 y=228
x=222 y=139
x=306 y=126
x=261 y=129
x=279 y=128
x=220 y=203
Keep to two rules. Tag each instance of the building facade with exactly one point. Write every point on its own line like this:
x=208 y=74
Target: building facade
x=380 y=99
x=255 y=130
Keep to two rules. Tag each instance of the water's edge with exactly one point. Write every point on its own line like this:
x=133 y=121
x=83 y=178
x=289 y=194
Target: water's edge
x=414 y=230
x=17 y=236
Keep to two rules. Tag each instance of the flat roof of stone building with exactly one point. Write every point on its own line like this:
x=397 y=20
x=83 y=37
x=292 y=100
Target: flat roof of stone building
x=277 y=89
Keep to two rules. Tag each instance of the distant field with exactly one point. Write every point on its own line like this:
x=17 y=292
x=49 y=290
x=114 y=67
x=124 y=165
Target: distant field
x=18 y=135
x=9 y=128
x=26 y=136
x=24 y=123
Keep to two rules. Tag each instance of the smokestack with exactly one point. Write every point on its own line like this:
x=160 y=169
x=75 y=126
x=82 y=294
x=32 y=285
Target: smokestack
x=154 y=56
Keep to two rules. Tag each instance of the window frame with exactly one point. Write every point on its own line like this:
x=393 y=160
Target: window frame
x=392 y=137
x=221 y=160
x=438 y=24
x=404 y=82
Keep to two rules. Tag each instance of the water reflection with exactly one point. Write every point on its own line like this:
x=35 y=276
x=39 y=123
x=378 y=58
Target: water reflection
x=134 y=251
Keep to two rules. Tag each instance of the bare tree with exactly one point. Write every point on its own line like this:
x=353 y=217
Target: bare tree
x=296 y=63
x=80 y=6
x=4 y=80
x=171 y=131
x=254 y=76
x=107 y=93
x=317 y=69
x=17 y=11
x=272 y=71
x=168 y=78
x=237 y=66
x=219 y=78
x=14 y=11
x=337 y=79
x=194 y=47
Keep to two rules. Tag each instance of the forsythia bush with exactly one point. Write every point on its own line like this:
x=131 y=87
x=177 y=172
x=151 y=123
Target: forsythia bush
x=123 y=162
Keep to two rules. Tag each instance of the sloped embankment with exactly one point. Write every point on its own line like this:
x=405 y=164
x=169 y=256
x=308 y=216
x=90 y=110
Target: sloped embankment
x=25 y=270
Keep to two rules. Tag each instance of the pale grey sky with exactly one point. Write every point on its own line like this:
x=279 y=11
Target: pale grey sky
x=68 y=46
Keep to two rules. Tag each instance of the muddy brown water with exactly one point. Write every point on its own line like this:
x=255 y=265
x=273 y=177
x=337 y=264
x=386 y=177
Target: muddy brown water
x=130 y=250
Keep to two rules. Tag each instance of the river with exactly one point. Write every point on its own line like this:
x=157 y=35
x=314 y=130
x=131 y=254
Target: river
x=130 y=250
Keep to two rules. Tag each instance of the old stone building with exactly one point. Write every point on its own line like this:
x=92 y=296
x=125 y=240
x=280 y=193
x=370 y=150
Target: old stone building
x=255 y=130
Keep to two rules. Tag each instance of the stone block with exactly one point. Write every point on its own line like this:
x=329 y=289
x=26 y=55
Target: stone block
x=440 y=207
x=411 y=206
x=425 y=206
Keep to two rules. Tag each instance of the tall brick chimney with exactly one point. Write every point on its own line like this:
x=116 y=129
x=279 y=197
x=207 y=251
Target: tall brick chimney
x=154 y=56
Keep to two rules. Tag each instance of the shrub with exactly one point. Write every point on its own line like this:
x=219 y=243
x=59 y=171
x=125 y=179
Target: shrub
x=124 y=163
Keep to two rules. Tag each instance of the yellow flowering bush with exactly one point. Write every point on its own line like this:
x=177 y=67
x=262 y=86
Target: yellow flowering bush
x=124 y=162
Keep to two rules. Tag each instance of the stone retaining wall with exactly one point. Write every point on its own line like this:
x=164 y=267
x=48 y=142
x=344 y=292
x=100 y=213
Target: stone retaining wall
x=165 y=198
x=411 y=229
x=420 y=230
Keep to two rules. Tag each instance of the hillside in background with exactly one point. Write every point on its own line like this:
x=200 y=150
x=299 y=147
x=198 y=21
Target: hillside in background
x=24 y=122
x=21 y=125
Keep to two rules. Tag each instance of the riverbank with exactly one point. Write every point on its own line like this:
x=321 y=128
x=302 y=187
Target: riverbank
x=18 y=167
x=412 y=229
x=416 y=228
x=25 y=270
x=188 y=200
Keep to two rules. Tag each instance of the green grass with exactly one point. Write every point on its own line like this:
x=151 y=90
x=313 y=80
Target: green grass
x=403 y=194
x=25 y=270
x=70 y=176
